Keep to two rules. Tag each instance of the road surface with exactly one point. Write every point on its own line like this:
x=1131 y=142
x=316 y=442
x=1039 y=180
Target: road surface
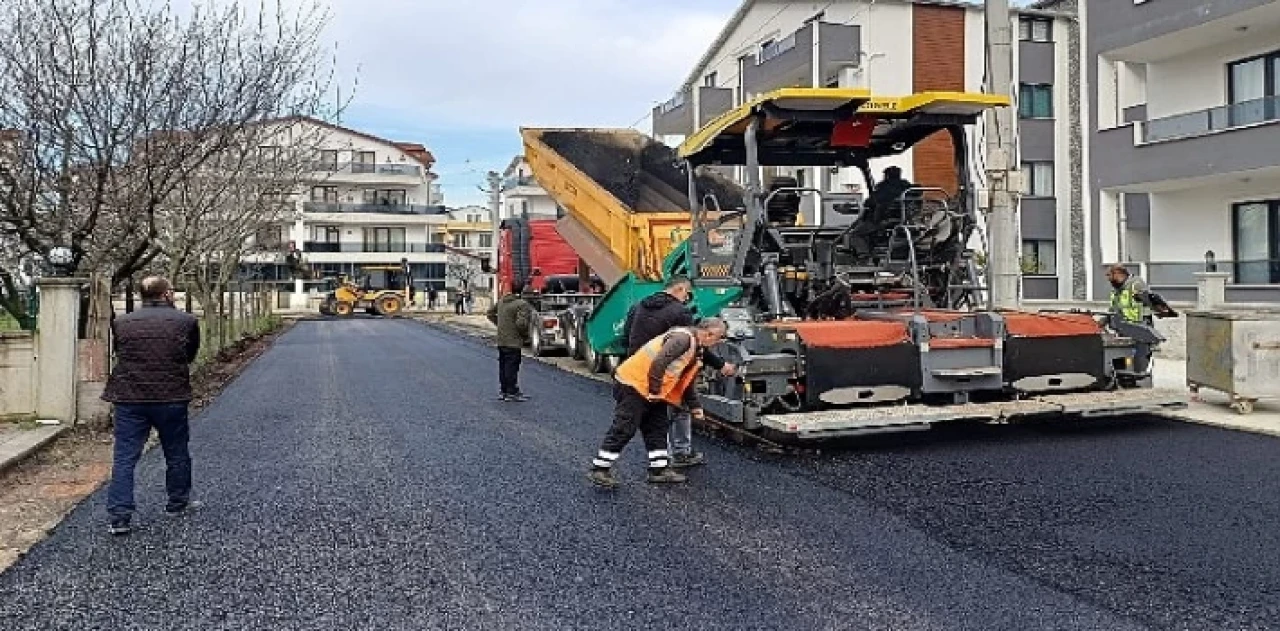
x=360 y=475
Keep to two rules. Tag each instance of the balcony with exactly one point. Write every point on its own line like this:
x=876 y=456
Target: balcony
x=1204 y=122
x=518 y=181
x=381 y=209
x=675 y=117
x=1217 y=141
x=322 y=247
x=789 y=62
x=395 y=172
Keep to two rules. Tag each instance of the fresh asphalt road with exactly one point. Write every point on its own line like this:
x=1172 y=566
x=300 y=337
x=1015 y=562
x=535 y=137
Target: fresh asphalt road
x=360 y=475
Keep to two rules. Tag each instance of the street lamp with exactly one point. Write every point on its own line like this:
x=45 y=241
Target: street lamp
x=62 y=260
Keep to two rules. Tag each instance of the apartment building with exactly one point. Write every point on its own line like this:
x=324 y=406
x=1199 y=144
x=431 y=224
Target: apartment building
x=469 y=229
x=897 y=47
x=367 y=201
x=522 y=196
x=1184 y=148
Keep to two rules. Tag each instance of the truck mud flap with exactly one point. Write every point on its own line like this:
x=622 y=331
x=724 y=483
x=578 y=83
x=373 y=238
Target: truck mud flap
x=898 y=418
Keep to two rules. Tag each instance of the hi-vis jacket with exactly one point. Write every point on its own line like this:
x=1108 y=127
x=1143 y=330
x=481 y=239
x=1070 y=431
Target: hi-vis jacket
x=1127 y=300
x=664 y=368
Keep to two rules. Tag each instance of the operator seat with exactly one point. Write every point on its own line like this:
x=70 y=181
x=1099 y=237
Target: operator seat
x=784 y=207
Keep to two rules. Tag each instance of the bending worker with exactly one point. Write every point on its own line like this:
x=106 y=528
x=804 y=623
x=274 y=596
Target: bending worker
x=654 y=316
x=660 y=375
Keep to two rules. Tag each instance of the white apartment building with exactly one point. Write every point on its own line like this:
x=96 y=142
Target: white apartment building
x=522 y=196
x=898 y=47
x=369 y=201
x=1185 y=141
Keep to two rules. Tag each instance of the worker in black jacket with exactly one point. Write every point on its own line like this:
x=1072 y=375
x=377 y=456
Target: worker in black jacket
x=653 y=317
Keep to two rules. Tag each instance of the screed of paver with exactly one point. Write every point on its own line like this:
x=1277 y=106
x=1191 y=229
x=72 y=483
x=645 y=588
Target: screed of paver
x=362 y=476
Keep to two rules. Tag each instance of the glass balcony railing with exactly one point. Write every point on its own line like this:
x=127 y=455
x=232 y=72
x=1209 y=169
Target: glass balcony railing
x=377 y=208
x=322 y=247
x=513 y=182
x=367 y=168
x=1214 y=119
x=1248 y=272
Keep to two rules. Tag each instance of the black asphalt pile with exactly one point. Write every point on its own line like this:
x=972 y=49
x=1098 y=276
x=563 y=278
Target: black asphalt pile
x=619 y=166
x=361 y=475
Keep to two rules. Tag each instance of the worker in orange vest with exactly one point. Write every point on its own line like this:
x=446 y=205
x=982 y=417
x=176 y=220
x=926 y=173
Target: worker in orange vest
x=660 y=374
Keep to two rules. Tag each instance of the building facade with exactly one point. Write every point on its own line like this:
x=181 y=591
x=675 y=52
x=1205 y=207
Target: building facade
x=1184 y=149
x=366 y=201
x=897 y=47
x=522 y=196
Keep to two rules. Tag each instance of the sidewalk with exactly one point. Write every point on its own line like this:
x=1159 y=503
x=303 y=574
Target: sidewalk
x=1214 y=407
x=17 y=441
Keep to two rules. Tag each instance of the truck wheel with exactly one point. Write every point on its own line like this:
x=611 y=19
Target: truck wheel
x=611 y=363
x=535 y=338
x=343 y=308
x=571 y=342
x=389 y=305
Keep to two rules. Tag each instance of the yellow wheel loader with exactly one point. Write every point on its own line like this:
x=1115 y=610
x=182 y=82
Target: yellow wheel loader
x=378 y=290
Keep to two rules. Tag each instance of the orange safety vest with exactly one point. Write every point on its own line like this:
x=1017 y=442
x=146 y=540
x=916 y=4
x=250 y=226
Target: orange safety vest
x=679 y=375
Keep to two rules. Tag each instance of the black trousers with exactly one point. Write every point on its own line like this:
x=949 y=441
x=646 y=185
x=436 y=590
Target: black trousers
x=631 y=412
x=509 y=370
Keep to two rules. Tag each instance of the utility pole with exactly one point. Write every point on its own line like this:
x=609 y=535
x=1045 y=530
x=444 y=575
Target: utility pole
x=495 y=211
x=1003 y=268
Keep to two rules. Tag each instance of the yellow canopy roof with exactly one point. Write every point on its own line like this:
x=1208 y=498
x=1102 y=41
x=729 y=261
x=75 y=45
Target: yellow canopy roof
x=820 y=109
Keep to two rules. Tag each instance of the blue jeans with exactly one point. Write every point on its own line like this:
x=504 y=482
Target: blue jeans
x=680 y=437
x=133 y=423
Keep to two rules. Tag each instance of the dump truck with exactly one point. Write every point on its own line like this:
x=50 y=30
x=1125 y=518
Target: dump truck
x=879 y=321
x=531 y=250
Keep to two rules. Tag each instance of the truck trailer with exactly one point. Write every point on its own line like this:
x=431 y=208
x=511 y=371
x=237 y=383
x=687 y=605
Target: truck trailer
x=879 y=321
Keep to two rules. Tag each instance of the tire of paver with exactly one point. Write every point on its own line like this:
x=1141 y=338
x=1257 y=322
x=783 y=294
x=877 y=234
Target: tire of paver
x=388 y=305
x=343 y=308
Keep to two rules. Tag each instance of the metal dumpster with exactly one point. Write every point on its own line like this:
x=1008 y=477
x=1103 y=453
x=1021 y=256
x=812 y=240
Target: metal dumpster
x=1235 y=352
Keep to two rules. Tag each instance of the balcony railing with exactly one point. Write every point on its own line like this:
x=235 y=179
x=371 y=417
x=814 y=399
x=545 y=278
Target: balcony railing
x=1249 y=272
x=323 y=247
x=384 y=209
x=366 y=168
x=1214 y=119
x=513 y=182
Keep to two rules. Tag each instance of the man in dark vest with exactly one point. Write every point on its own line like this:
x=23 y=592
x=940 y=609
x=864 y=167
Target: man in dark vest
x=150 y=387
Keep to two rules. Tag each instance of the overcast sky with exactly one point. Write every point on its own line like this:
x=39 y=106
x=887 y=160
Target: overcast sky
x=463 y=77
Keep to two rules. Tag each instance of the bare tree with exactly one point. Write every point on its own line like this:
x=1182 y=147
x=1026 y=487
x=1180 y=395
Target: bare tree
x=109 y=106
x=462 y=267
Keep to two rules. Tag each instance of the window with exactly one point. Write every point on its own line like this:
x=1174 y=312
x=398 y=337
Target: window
x=327 y=160
x=459 y=240
x=1033 y=29
x=1037 y=179
x=269 y=154
x=473 y=218
x=1035 y=100
x=1039 y=257
x=437 y=236
x=486 y=239
x=326 y=194
x=384 y=240
x=709 y=80
x=1252 y=87
x=325 y=234
x=269 y=237
x=364 y=162
x=385 y=197
x=1256 y=242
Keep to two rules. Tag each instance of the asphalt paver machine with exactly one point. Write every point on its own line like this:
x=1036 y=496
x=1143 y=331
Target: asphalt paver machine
x=878 y=322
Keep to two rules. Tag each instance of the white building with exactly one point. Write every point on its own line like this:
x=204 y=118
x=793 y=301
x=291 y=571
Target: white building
x=369 y=201
x=1185 y=141
x=522 y=196
x=897 y=47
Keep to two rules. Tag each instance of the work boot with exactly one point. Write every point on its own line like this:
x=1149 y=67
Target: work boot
x=518 y=397
x=683 y=461
x=602 y=477
x=666 y=475
x=174 y=510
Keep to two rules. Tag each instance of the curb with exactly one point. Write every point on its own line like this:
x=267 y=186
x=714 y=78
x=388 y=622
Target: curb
x=1182 y=418
x=30 y=450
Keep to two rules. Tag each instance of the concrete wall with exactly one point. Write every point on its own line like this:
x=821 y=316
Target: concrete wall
x=17 y=375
